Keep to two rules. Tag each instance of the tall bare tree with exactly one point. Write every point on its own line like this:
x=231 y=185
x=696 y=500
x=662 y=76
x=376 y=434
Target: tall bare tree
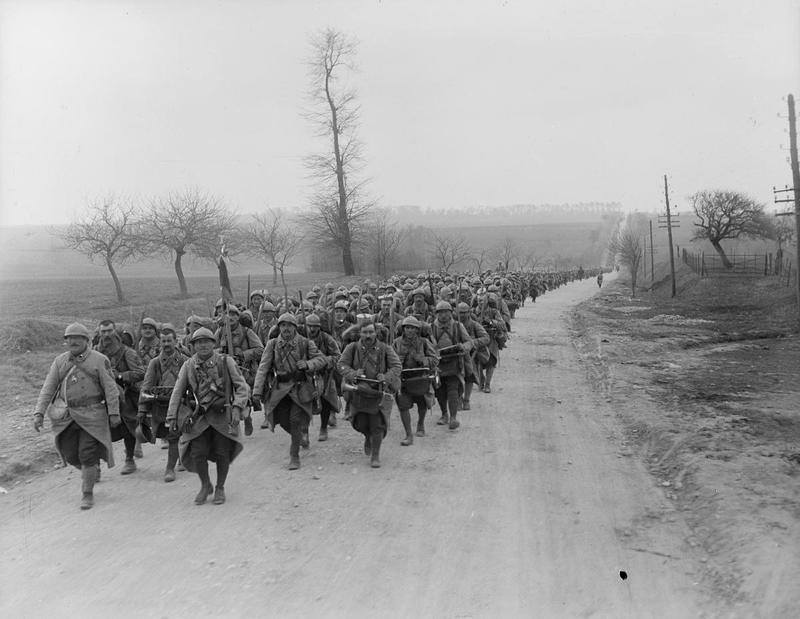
x=339 y=207
x=384 y=236
x=506 y=252
x=107 y=231
x=449 y=249
x=479 y=258
x=727 y=215
x=271 y=236
x=189 y=221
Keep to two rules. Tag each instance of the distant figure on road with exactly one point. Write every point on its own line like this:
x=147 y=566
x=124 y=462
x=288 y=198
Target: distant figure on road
x=600 y=280
x=81 y=399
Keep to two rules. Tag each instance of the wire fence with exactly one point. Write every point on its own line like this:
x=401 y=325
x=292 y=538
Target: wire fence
x=755 y=265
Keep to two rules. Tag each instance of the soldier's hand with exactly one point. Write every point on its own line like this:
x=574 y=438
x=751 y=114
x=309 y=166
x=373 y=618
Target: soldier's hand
x=173 y=425
x=302 y=364
x=380 y=378
x=38 y=422
x=114 y=420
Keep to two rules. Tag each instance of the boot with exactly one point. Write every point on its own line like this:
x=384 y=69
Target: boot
x=265 y=425
x=488 y=385
x=421 y=422
x=88 y=477
x=294 y=448
x=164 y=443
x=332 y=420
x=454 y=423
x=405 y=417
x=128 y=468
x=172 y=459
x=201 y=466
x=137 y=450
x=304 y=439
x=248 y=425
x=367 y=445
x=219 y=495
x=375 y=456
x=323 y=435
x=467 y=394
x=443 y=420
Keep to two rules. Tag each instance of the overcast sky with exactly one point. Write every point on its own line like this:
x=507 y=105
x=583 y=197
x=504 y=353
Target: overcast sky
x=463 y=103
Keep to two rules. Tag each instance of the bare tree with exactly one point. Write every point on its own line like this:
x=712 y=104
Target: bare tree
x=449 y=249
x=530 y=261
x=339 y=208
x=626 y=245
x=189 y=221
x=384 y=236
x=479 y=258
x=726 y=215
x=270 y=236
x=505 y=252
x=107 y=231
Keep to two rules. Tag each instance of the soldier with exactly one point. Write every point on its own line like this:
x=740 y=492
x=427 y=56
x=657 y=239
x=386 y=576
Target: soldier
x=256 y=301
x=148 y=345
x=211 y=431
x=246 y=348
x=492 y=321
x=342 y=321
x=284 y=372
x=414 y=352
x=419 y=307
x=327 y=397
x=128 y=371
x=600 y=279
x=479 y=353
x=387 y=318
x=266 y=321
x=452 y=341
x=81 y=399
x=378 y=362
x=159 y=380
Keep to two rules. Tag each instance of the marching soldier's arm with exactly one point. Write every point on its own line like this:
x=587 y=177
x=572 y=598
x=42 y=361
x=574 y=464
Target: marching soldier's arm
x=136 y=369
x=177 y=392
x=481 y=339
x=316 y=360
x=430 y=354
x=147 y=384
x=393 y=369
x=241 y=390
x=466 y=341
x=109 y=386
x=333 y=350
x=48 y=390
x=264 y=368
x=254 y=347
x=345 y=365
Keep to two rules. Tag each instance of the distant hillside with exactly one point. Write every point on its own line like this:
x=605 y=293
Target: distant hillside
x=517 y=214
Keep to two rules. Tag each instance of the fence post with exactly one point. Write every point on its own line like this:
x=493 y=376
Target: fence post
x=702 y=264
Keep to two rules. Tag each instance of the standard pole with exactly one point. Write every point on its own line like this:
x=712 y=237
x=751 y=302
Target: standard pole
x=796 y=184
x=669 y=235
x=652 y=272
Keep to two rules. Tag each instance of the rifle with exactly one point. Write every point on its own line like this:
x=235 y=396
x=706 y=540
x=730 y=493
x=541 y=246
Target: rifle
x=248 y=291
x=391 y=323
x=233 y=424
x=430 y=283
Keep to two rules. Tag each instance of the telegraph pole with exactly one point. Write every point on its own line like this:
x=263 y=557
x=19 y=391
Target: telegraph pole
x=796 y=183
x=669 y=235
x=652 y=275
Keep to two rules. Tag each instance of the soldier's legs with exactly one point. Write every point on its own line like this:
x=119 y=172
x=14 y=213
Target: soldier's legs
x=441 y=398
x=297 y=422
x=376 y=430
x=467 y=392
x=221 y=446
x=405 y=417
x=453 y=399
x=68 y=444
x=130 y=445
x=488 y=385
x=422 y=410
x=200 y=450
x=324 y=418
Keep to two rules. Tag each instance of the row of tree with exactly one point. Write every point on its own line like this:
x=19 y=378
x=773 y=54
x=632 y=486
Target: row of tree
x=115 y=230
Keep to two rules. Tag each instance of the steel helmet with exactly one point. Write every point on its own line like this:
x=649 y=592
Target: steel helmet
x=77 y=328
x=411 y=321
x=289 y=318
x=443 y=306
x=312 y=320
x=202 y=334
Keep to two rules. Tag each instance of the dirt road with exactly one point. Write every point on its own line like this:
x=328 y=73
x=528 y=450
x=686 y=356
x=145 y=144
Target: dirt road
x=529 y=509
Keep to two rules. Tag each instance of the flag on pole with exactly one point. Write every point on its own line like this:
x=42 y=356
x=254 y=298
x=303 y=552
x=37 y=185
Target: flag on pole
x=224 y=279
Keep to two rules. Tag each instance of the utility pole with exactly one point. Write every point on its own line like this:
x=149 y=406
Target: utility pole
x=652 y=273
x=796 y=182
x=668 y=226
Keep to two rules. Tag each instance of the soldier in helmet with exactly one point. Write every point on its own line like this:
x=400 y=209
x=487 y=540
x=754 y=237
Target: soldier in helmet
x=128 y=371
x=327 y=396
x=81 y=399
x=265 y=321
x=159 y=380
x=211 y=431
x=148 y=345
x=283 y=382
x=452 y=341
x=479 y=353
x=414 y=352
x=492 y=321
x=370 y=408
x=256 y=301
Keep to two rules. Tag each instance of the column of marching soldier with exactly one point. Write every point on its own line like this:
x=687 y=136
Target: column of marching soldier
x=408 y=340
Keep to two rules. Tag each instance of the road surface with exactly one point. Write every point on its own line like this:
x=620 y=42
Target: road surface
x=529 y=509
